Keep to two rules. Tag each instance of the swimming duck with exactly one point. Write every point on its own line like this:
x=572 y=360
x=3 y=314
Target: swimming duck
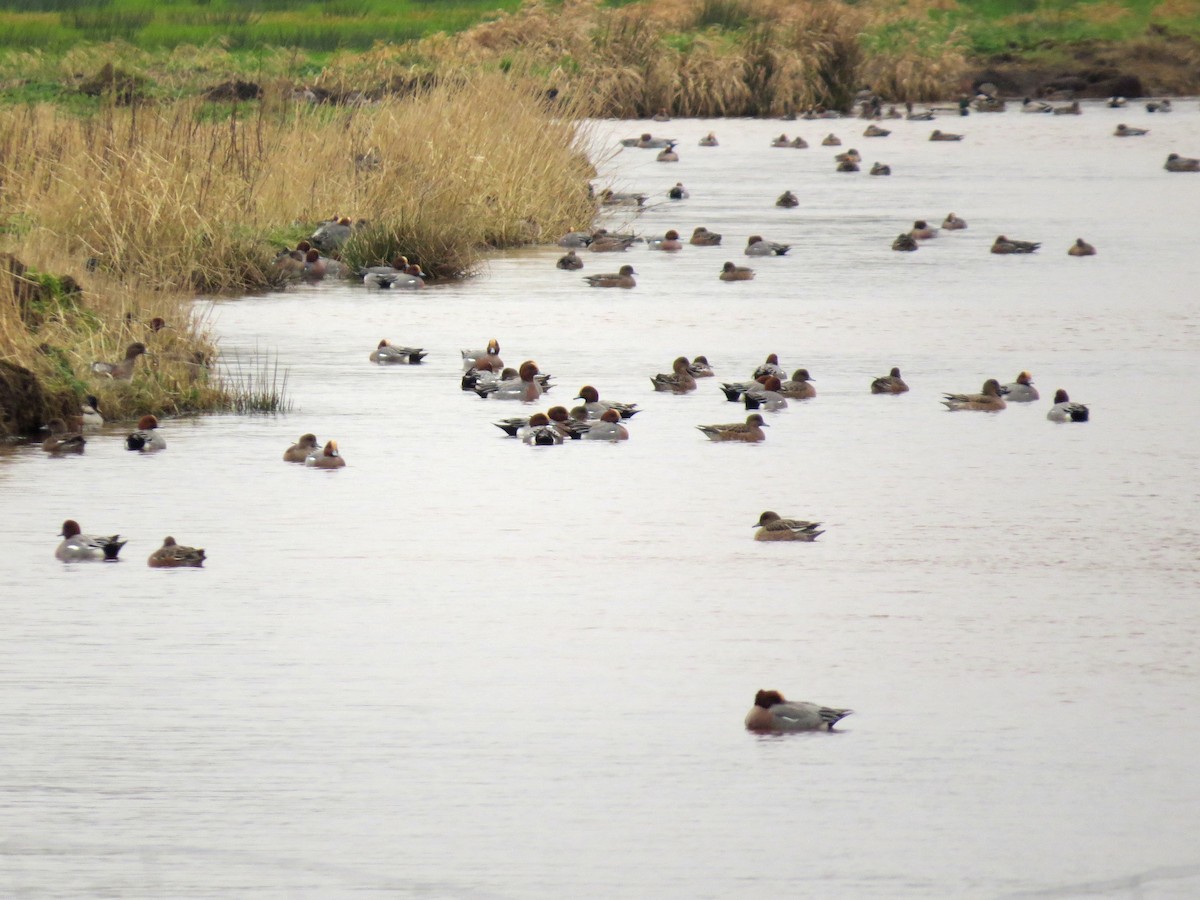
x=831 y=140
x=748 y=432
x=781 y=141
x=990 y=400
x=60 y=440
x=1126 y=131
x=524 y=388
x=622 y=279
x=881 y=169
x=609 y=243
x=175 y=556
x=301 y=450
x=569 y=427
x=332 y=234
x=938 y=135
x=847 y=165
x=702 y=237
x=668 y=242
x=1004 y=245
x=317 y=266
x=89 y=413
x=1021 y=390
x=1035 y=106
x=1116 y=102
x=575 y=240
x=1071 y=109
x=709 y=140
x=328 y=458
x=412 y=278
x=146 y=439
x=1177 y=163
x=398 y=266
x=923 y=116
x=595 y=407
x=770 y=366
x=700 y=368
x=921 y=230
x=647 y=142
x=512 y=425
x=771 y=714
x=615 y=198
x=1081 y=248
x=730 y=272
x=771 y=527
x=787 y=200
x=540 y=432
x=667 y=155
x=799 y=386
x=733 y=390
x=889 y=384
x=1162 y=106
x=389 y=353
x=756 y=246
x=609 y=428
x=679 y=192
x=661 y=115
x=766 y=395
x=874 y=130
x=953 y=223
x=570 y=260
x=76 y=546
x=798 y=143
x=123 y=370
x=905 y=243
x=678 y=381
x=1064 y=410
x=850 y=155
x=473 y=359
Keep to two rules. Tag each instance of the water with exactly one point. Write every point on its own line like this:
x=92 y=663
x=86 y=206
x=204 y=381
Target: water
x=463 y=667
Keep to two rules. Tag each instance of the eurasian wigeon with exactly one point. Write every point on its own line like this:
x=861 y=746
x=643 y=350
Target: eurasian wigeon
x=146 y=439
x=540 y=432
x=175 y=556
x=771 y=527
x=700 y=367
x=989 y=400
x=771 y=714
x=781 y=141
x=389 y=354
x=1021 y=390
x=609 y=243
x=905 y=243
x=595 y=407
x=569 y=260
x=569 y=427
x=667 y=155
x=1029 y=105
x=766 y=395
x=328 y=458
x=332 y=234
x=662 y=115
x=1064 y=410
x=874 y=130
x=1081 y=248
x=756 y=246
x=770 y=366
x=1071 y=109
x=787 y=200
x=798 y=143
x=749 y=432
x=709 y=140
x=622 y=279
x=89 y=413
x=1126 y=131
x=609 y=428
x=944 y=136
x=123 y=370
x=847 y=165
x=411 y=279
x=1003 y=244
x=831 y=140
x=60 y=440
x=669 y=242
x=678 y=381
x=702 y=237
x=301 y=450
x=730 y=272
x=315 y=265
x=850 y=155
x=679 y=192
x=891 y=383
x=1163 y=105
x=397 y=266
x=923 y=231
x=524 y=388
x=880 y=169
x=799 y=386
x=575 y=240
x=76 y=546
x=953 y=223
x=473 y=359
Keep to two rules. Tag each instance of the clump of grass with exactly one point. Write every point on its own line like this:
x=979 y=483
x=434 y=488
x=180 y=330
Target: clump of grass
x=254 y=385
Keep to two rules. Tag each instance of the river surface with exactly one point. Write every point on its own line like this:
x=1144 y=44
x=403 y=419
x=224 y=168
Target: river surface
x=462 y=667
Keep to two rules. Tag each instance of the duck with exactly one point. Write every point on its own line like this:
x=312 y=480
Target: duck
x=679 y=192
x=1116 y=102
x=123 y=370
x=787 y=200
x=603 y=242
x=524 y=388
x=953 y=223
x=772 y=527
x=512 y=425
x=76 y=546
x=1064 y=410
x=748 y=432
x=765 y=396
x=938 y=135
x=1071 y=109
x=1004 y=245
x=798 y=143
x=1081 y=248
x=771 y=714
x=615 y=198
x=622 y=279
x=575 y=240
x=328 y=458
x=923 y=116
x=891 y=383
x=540 y=432
x=175 y=556
x=881 y=169
x=473 y=359
x=678 y=381
x=733 y=390
x=411 y=279
x=905 y=243
x=647 y=142
x=1126 y=131
x=661 y=115
x=709 y=140
x=756 y=246
x=702 y=237
x=60 y=440
x=770 y=366
x=667 y=155
x=301 y=450
x=850 y=155
x=782 y=141
x=730 y=272
x=1036 y=106
x=847 y=165
x=799 y=386
x=595 y=407
x=316 y=266
x=1021 y=390
x=922 y=231
x=398 y=266
x=289 y=263
x=569 y=260
x=89 y=413
x=1177 y=163
x=387 y=353
x=988 y=400
x=569 y=427
x=332 y=234
x=874 y=130
x=146 y=439
x=609 y=428
x=669 y=242
x=700 y=368
x=1162 y=106
x=831 y=140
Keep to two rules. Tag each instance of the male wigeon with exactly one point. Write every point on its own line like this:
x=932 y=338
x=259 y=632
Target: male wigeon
x=1081 y=248
x=77 y=546
x=989 y=400
x=647 y=141
x=831 y=140
x=905 y=243
x=662 y=115
x=412 y=278
x=622 y=198
x=730 y=272
x=569 y=260
x=1126 y=131
x=770 y=366
x=938 y=135
x=772 y=527
x=389 y=354
x=678 y=381
x=922 y=230
x=874 y=130
x=316 y=266
x=175 y=556
x=1064 y=410
x=540 y=432
x=1163 y=105
x=621 y=279
x=781 y=141
x=301 y=450
x=570 y=427
x=771 y=714
x=766 y=395
x=575 y=240
x=678 y=192
x=332 y=234
x=1003 y=244
x=756 y=246
x=748 y=432
x=609 y=428
x=953 y=223
x=733 y=390
x=524 y=387
x=709 y=140
x=473 y=358
x=702 y=237
x=669 y=242
x=700 y=367
x=595 y=407
x=123 y=370
x=799 y=386
x=328 y=458
x=1029 y=105
x=398 y=265
x=60 y=440
x=1021 y=390
x=880 y=169
x=891 y=383
x=787 y=200
x=146 y=439
x=89 y=413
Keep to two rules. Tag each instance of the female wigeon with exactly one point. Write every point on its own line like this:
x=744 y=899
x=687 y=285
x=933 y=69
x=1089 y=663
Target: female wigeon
x=570 y=260
x=881 y=169
x=678 y=381
x=953 y=223
x=944 y=136
x=989 y=400
x=146 y=439
x=595 y=407
x=89 y=413
x=610 y=243
x=730 y=272
x=756 y=246
x=1081 y=248
x=799 y=386
x=700 y=368
x=60 y=440
x=891 y=383
x=831 y=140
x=301 y=450
x=1126 y=131
x=1064 y=410
x=799 y=143
x=1021 y=390
x=609 y=428
x=1003 y=244
x=540 y=432
x=622 y=279
x=389 y=354
x=524 y=388
x=905 y=243
x=847 y=165
x=771 y=714
x=781 y=141
x=77 y=546
x=771 y=527
x=766 y=396
x=175 y=556
x=748 y=432
x=669 y=242
x=787 y=200
x=850 y=155
x=702 y=237
x=662 y=115
x=922 y=230
x=411 y=279
x=874 y=130
x=123 y=370
x=328 y=458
